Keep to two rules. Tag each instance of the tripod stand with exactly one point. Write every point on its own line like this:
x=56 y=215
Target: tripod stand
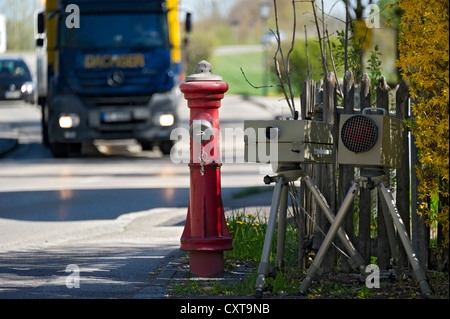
x=369 y=181
x=279 y=203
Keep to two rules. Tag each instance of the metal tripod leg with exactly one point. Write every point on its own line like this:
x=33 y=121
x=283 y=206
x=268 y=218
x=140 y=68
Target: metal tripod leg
x=395 y=252
x=263 y=268
x=418 y=271
x=355 y=260
x=282 y=215
x=335 y=225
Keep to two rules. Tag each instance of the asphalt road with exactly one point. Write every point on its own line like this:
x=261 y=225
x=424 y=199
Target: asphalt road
x=114 y=209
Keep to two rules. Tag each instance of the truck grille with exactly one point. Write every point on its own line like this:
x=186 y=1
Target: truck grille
x=99 y=78
x=131 y=100
x=96 y=91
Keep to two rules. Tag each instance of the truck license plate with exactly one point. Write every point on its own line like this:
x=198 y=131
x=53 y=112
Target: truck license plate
x=118 y=116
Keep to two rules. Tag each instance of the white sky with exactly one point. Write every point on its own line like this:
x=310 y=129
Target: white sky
x=335 y=6
x=194 y=5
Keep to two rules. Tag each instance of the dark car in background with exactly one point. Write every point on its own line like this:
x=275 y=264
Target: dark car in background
x=16 y=82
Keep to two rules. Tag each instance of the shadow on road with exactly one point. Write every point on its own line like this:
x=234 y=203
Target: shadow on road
x=81 y=272
x=103 y=204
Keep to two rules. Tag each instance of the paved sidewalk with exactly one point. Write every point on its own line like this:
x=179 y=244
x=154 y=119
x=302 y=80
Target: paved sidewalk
x=115 y=259
x=135 y=256
x=177 y=272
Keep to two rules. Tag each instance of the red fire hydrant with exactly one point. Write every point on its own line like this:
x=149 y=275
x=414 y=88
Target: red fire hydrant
x=205 y=233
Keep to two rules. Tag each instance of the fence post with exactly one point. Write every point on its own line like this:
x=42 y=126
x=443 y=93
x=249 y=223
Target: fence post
x=308 y=98
x=305 y=102
x=305 y=98
x=383 y=249
x=364 y=193
x=328 y=170
x=317 y=169
x=402 y=174
x=419 y=231
x=346 y=172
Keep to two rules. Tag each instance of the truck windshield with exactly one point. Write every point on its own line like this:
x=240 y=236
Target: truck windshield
x=116 y=30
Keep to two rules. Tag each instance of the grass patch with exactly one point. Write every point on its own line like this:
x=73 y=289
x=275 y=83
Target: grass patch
x=252 y=191
x=215 y=288
x=248 y=233
x=228 y=66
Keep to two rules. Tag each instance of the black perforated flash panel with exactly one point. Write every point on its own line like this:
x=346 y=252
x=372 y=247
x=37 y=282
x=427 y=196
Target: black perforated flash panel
x=359 y=133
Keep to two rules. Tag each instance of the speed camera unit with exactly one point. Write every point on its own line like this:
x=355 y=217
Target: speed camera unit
x=370 y=140
x=288 y=141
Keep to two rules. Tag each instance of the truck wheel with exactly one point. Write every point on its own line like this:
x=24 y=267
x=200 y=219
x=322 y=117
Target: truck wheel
x=62 y=150
x=146 y=146
x=166 y=146
x=44 y=126
x=59 y=150
x=45 y=140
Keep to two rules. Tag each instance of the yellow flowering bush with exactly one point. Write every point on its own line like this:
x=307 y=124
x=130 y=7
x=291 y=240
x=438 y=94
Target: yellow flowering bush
x=424 y=62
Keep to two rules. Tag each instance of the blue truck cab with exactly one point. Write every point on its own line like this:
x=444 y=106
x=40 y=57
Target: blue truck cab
x=112 y=72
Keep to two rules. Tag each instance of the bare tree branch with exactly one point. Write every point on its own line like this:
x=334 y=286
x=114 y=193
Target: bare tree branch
x=307 y=54
x=323 y=33
x=328 y=15
x=279 y=74
x=257 y=87
x=324 y=61
x=334 y=67
x=283 y=71
x=288 y=70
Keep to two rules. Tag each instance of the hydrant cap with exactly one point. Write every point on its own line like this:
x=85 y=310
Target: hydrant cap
x=203 y=72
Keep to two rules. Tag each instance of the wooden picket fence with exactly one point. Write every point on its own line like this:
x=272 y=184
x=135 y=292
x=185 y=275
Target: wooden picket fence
x=366 y=226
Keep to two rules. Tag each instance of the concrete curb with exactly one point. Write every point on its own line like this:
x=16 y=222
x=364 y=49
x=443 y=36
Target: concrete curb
x=158 y=287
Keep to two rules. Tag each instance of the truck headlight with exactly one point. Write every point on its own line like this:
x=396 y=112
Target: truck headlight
x=69 y=120
x=166 y=119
